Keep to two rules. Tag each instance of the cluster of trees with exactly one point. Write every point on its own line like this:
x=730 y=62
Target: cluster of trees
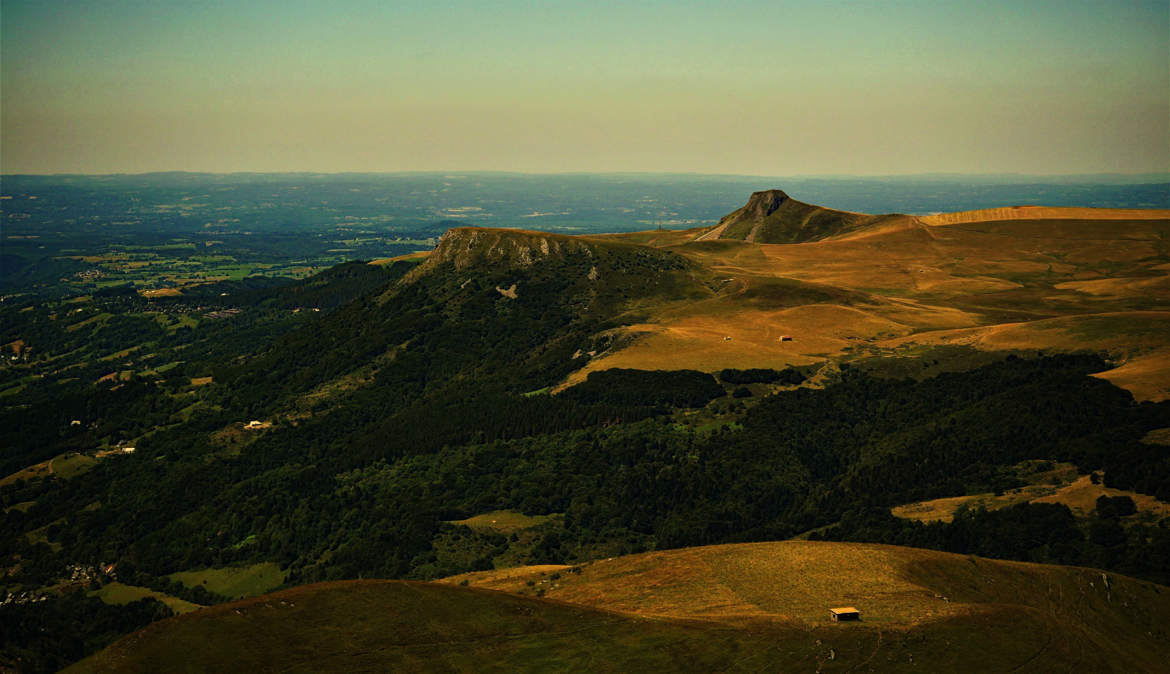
x=1036 y=532
x=342 y=497
x=640 y=388
x=45 y=636
x=788 y=376
x=439 y=428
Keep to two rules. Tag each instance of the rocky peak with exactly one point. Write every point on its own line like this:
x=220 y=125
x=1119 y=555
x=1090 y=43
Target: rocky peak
x=765 y=203
x=771 y=216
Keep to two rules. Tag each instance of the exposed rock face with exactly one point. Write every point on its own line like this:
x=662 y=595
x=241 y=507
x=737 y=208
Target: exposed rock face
x=467 y=246
x=518 y=252
x=763 y=204
x=771 y=216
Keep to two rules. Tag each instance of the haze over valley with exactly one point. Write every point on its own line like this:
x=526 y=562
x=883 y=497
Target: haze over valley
x=824 y=336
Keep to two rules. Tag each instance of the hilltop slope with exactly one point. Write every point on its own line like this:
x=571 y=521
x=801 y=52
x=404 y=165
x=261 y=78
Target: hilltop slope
x=772 y=216
x=1051 y=277
x=735 y=607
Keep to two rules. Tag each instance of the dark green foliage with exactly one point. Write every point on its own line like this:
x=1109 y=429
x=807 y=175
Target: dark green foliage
x=1112 y=507
x=43 y=428
x=44 y=636
x=1106 y=533
x=789 y=376
x=328 y=290
x=635 y=388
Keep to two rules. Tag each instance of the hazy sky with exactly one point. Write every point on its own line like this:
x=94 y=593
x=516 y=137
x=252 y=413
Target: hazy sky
x=763 y=88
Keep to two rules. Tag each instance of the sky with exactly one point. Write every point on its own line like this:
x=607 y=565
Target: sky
x=736 y=87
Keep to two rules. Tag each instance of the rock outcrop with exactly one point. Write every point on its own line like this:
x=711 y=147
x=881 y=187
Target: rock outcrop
x=772 y=216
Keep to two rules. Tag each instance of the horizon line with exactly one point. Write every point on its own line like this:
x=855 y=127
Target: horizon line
x=1161 y=176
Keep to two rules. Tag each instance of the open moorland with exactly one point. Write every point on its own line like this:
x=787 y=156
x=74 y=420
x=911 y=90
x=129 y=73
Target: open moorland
x=1056 y=279
x=750 y=607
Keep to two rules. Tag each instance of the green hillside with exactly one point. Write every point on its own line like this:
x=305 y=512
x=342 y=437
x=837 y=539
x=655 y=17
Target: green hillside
x=949 y=613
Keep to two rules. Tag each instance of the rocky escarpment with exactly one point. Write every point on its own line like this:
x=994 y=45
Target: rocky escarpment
x=469 y=246
x=596 y=274
x=772 y=216
x=493 y=250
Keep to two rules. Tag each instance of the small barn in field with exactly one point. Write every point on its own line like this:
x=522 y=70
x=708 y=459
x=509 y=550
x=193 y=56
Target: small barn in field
x=843 y=613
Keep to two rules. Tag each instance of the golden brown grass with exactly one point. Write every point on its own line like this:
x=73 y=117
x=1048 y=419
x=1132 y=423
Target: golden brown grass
x=1147 y=377
x=749 y=607
x=1022 y=278
x=1077 y=492
x=789 y=581
x=1045 y=213
x=36 y=470
x=161 y=292
x=417 y=255
x=1081 y=498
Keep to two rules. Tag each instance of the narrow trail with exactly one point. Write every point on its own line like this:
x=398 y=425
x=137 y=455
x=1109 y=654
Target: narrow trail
x=876 y=647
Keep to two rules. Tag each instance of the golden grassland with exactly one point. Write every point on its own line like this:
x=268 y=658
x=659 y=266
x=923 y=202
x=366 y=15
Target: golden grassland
x=1080 y=496
x=1046 y=212
x=161 y=292
x=418 y=255
x=1025 y=278
x=36 y=470
x=1013 y=278
x=791 y=581
x=745 y=607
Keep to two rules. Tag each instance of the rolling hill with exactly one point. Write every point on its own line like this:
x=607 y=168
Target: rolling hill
x=636 y=393
x=750 y=607
x=1024 y=278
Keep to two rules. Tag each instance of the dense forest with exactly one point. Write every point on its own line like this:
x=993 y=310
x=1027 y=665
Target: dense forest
x=411 y=402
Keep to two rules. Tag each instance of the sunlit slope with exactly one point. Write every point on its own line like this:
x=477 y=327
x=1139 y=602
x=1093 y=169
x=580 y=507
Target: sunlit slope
x=1046 y=213
x=740 y=608
x=418 y=627
x=899 y=589
x=1051 y=278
